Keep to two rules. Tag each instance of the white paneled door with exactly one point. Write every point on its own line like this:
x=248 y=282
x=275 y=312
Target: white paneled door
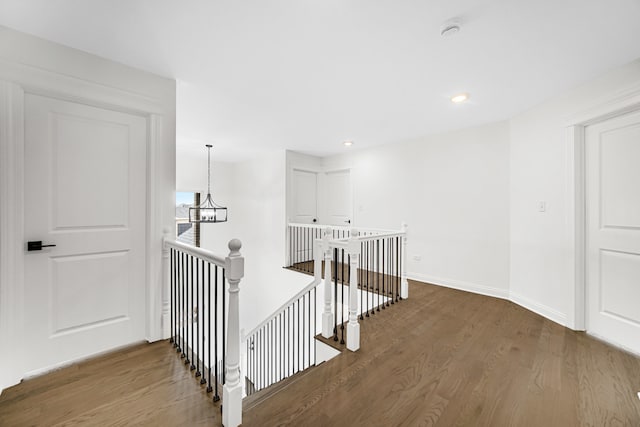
x=338 y=200
x=305 y=196
x=85 y=193
x=613 y=230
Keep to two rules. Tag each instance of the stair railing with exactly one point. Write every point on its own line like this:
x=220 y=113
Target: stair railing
x=202 y=327
x=375 y=273
x=284 y=344
x=300 y=238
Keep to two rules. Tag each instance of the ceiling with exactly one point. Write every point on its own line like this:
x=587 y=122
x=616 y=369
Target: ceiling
x=305 y=75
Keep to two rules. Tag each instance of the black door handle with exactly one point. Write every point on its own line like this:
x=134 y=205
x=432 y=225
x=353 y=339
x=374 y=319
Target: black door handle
x=36 y=245
x=314 y=220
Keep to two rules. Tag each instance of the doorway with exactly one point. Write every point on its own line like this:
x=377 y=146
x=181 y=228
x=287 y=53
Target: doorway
x=85 y=201
x=612 y=225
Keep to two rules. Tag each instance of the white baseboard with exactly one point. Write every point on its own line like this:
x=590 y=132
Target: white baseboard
x=615 y=344
x=460 y=285
x=61 y=365
x=541 y=309
x=527 y=303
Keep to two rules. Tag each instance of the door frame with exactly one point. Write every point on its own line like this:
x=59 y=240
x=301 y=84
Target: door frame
x=622 y=102
x=16 y=81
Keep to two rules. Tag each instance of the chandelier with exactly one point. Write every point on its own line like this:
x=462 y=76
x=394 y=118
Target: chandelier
x=208 y=211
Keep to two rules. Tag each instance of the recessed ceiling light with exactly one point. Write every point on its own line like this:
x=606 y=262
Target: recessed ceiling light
x=450 y=28
x=461 y=97
x=347 y=143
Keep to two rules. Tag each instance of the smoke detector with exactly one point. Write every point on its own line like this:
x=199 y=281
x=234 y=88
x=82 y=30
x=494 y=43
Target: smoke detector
x=450 y=28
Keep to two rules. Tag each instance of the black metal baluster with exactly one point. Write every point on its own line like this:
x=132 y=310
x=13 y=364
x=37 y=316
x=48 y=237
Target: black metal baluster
x=335 y=293
x=309 y=336
x=315 y=326
x=190 y=316
x=200 y=318
x=211 y=336
x=184 y=305
x=174 y=274
x=392 y=270
x=171 y=272
x=400 y=266
x=295 y=340
x=216 y=396
x=196 y=317
x=384 y=289
x=367 y=274
x=304 y=356
x=397 y=268
x=342 y=300
x=187 y=309
x=224 y=328
x=361 y=279
x=378 y=273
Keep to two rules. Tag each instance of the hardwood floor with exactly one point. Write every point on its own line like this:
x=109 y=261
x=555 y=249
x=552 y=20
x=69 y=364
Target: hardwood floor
x=140 y=386
x=443 y=357
x=450 y=358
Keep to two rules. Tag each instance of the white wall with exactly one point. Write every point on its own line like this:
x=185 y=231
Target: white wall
x=542 y=275
x=452 y=190
x=254 y=193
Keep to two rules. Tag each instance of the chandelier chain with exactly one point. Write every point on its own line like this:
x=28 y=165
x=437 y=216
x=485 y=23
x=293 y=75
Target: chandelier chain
x=209 y=171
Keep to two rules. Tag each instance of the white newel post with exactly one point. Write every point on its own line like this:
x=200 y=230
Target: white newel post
x=353 y=327
x=232 y=390
x=318 y=255
x=166 y=286
x=404 y=284
x=327 y=315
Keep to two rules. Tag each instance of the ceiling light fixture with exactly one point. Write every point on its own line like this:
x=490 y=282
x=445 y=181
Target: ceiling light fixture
x=461 y=97
x=208 y=211
x=347 y=143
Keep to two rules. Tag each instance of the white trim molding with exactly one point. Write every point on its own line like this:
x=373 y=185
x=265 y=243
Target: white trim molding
x=11 y=230
x=541 y=309
x=621 y=102
x=461 y=285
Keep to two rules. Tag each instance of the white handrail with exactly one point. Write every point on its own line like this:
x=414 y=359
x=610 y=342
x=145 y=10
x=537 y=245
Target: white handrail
x=275 y=314
x=197 y=252
x=380 y=236
x=319 y=226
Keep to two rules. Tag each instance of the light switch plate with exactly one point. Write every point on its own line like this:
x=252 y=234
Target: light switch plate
x=542 y=206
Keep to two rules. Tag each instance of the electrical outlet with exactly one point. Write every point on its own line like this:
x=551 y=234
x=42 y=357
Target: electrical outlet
x=417 y=257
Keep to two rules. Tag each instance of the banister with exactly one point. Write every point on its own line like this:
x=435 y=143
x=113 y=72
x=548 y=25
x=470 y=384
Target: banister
x=197 y=252
x=291 y=300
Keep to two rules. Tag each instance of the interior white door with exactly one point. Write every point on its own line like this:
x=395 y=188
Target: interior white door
x=613 y=230
x=305 y=196
x=337 y=197
x=85 y=187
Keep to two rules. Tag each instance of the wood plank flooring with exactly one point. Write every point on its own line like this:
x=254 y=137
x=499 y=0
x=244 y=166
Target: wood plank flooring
x=441 y=358
x=141 y=386
x=450 y=358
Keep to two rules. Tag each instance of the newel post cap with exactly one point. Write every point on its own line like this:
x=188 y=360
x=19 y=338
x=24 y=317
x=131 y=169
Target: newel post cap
x=234 y=261
x=234 y=247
